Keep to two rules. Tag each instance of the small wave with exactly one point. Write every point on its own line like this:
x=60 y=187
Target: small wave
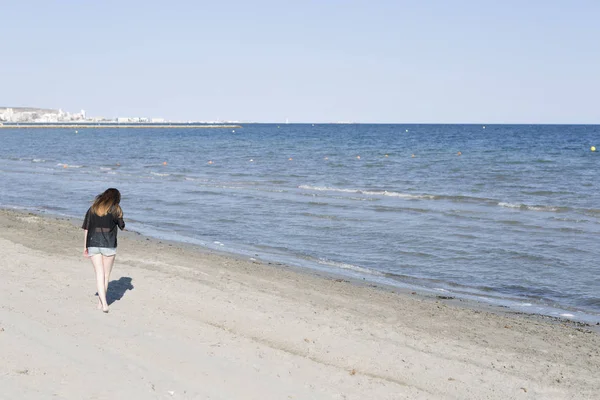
x=572 y=230
x=537 y=293
x=367 y=192
x=545 y=193
x=527 y=207
x=591 y=302
x=359 y=199
x=545 y=208
x=510 y=222
x=158 y=174
x=387 y=193
x=322 y=216
x=401 y=209
x=465 y=236
x=331 y=217
x=571 y=220
x=452 y=198
x=240 y=174
x=105 y=168
x=591 y=212
x=217 y=186
x=349 y=267
x=69 y=165
x=38 y=160
x=204 y=193
x=465 y=199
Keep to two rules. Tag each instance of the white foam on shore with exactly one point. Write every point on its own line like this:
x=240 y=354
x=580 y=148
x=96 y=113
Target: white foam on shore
x=349 y=267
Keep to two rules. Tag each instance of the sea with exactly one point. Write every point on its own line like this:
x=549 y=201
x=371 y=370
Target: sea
x=507 y=215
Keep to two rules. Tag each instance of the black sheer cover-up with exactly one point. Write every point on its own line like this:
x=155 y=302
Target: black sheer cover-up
x=102 y=231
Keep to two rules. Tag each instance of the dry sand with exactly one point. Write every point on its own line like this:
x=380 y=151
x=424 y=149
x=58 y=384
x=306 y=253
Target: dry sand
x=187 y=323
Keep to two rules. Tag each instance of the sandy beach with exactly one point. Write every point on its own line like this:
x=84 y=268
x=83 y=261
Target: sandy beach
x=189 y=323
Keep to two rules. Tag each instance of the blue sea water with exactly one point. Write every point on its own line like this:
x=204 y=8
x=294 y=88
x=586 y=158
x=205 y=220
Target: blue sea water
x=514 y=220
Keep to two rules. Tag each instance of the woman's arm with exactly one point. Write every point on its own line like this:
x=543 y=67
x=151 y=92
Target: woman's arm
x=118 y=219
x=85 y=226
x=85 y=250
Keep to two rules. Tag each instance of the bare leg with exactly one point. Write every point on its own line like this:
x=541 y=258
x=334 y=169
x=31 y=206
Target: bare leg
x=108 y=262
x=99 y=269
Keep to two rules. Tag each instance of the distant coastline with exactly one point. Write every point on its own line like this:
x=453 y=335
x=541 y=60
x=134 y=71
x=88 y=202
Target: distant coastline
x=96 y=125
x=34 y=117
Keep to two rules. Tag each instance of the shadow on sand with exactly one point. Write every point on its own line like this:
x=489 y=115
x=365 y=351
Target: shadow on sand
x=116 y=289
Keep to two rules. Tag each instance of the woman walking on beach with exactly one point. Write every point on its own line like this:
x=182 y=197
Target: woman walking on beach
x=100 y=242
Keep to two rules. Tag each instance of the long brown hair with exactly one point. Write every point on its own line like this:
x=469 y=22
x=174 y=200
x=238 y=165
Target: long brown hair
x=108 y=202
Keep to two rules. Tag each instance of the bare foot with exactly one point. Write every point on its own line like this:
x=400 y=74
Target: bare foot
x=101 y=307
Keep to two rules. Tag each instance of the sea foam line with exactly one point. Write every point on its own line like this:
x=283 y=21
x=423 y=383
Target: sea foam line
x=531 y=208
x=69 y=165
x=366 y=192
x=526 y=207
x=350 y=267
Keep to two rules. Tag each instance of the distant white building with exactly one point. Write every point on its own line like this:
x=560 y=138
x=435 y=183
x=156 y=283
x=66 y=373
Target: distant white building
x=157 y=120
x=122 y=120
x=7 y=115
x=24 y=117
x=48 y=118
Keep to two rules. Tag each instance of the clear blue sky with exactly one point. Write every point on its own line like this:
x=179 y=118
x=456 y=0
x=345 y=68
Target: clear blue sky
x=310 y=61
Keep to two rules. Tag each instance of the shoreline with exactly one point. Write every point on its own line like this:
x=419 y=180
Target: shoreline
x=192 y=322
x=473 y=301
